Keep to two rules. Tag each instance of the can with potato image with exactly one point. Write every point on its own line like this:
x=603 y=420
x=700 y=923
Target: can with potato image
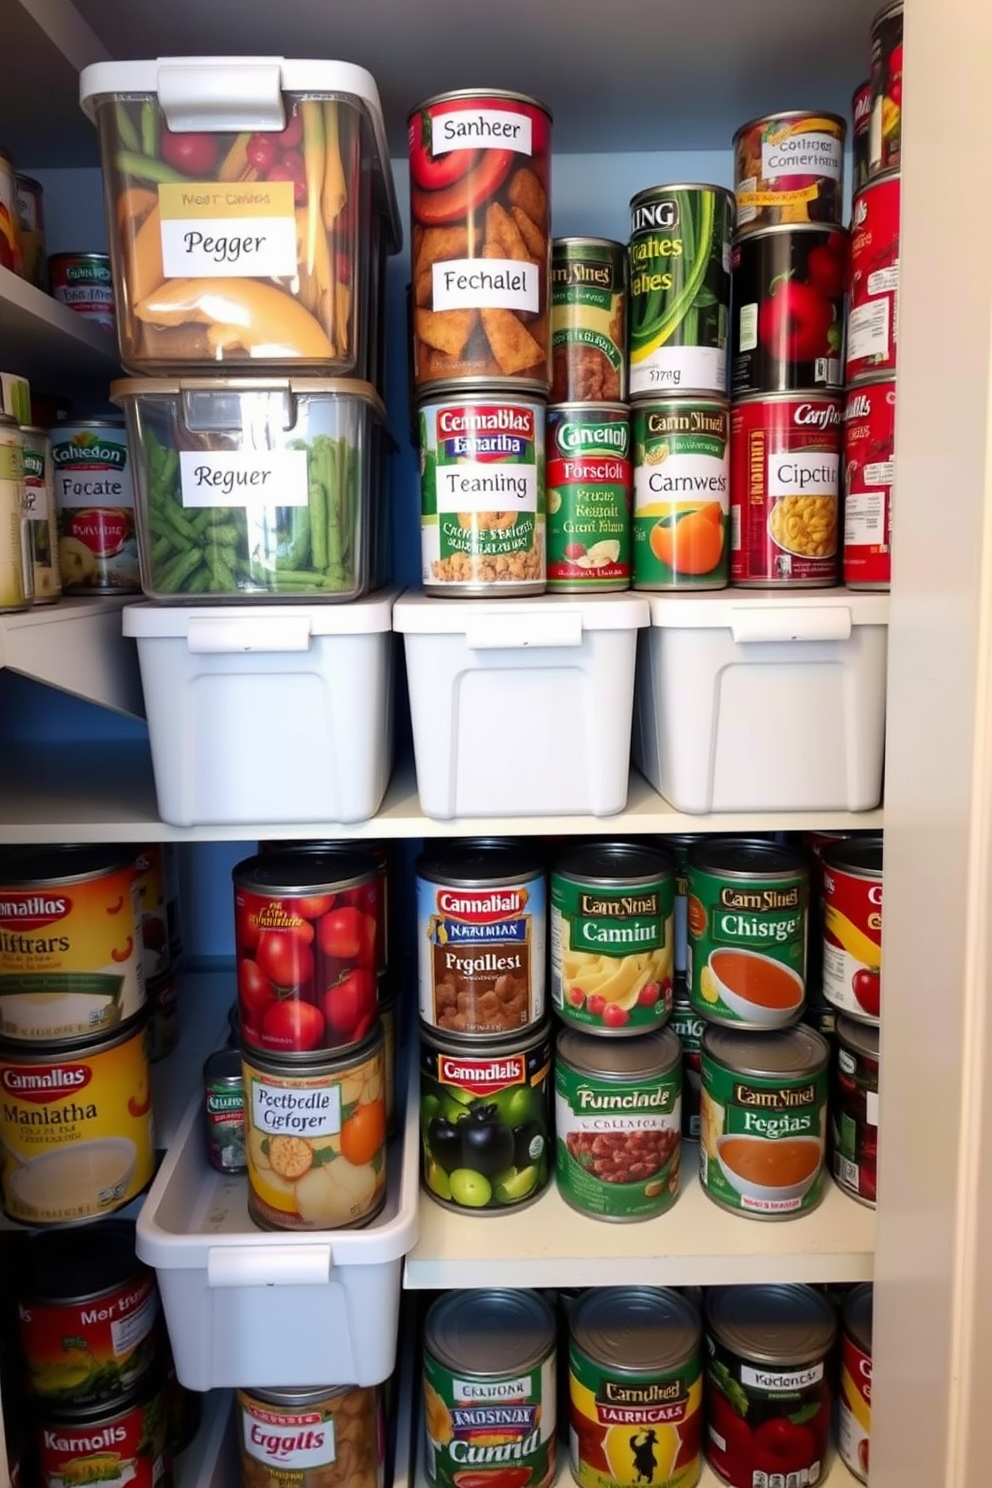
x=681 y=454
x=589 y=479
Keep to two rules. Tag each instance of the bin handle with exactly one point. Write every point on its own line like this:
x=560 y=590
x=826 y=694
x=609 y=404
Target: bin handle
x=754 y=623
x=515 y=631
x=269 y=1265
x=224 y=97
x=233 y=634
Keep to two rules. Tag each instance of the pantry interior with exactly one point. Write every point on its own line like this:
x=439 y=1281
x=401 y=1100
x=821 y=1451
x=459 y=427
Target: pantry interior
x=74 y=771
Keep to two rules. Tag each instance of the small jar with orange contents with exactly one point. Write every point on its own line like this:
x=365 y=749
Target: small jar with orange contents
x=681 y=450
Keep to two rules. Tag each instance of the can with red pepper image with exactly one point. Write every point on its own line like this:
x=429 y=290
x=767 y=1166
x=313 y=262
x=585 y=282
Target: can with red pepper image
x=861 y=115
x=787 y=328
x=854 y=1412
x=767 y=1383
x=869 y=473
x=854 y=1109
x=789 y=167
x=480 y=186
x=852 y=926
x=885 y=148
x=784 y=486
x=589 y=479
x=873 y=296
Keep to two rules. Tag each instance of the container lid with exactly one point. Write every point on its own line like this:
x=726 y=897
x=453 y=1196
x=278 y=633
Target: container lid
x=614 y=864
x=513 y=624
x=764 y=615
x=638 y=1058
x=490 y=1333
x=857 y=1314
x=797 y=1052
x=636 y=1330
x=772 y=1324
x=338 y=387
x=234 y=94
x=258 y=628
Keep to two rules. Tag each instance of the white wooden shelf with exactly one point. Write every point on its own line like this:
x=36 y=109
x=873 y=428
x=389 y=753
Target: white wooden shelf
x=48 y=343
x=76 y=645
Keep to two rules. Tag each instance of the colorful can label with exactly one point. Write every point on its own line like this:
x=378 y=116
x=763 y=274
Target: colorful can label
x=84 y=282
x=94 y=496
x=224 y=1107
x=588 y=321
x=485 y=1122
x=291 y=1438
x=15 y=588
x=124 y=1445
x=681 y=493
x=150 y=870
x=39 y=502
x=861 y=136
x=95 y=1350
x=869 y=477
x=885 y=138
x=628 y=1430
x=10 y=221
x=789 y=168
x=873 y=295
x=483 y=495
x=784 y=485
x=854 y=1113
x=854 y=1405
x=31 y=219
x=852 y=932
x=788 y=324
x=679 y=256
x=689 y=1027
x=589 y=478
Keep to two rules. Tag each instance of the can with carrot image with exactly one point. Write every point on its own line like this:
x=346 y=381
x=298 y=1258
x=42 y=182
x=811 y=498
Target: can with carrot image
x=681 y=450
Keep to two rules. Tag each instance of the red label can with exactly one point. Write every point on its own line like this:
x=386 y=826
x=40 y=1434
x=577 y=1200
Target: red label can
x=854 y=1415
x=122 y=1445
x=885 y=147
x=861 y=113
x=854 y=1110
x=869 y=466
x=787 y=326
x=784 y=482
x=874 y=279
x=852 y=926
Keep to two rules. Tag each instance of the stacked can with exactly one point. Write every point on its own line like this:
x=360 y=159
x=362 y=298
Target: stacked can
x=789 y=268
x=686 y=1022
x=480 y=169
x=872 y=314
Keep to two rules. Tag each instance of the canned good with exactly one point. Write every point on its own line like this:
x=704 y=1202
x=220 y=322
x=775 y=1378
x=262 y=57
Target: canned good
x=14 y=591
x=784 y=486
x=70 y=943
x=763 y=1121
x=305 y=928
x=789 y=168
x=39 y=501
x=854 y=1397
x=861 y=137
x=852 y=927
x=124 y=1442
x=303 y=1438
x=854 y=1109
x=482 y=495
x=489 y=1390
x=381 y=853
x=224 y=1108
x=767 y=1371
x=818 y=1011
x=88 y=1312
x=31 y=224
x=618 y=1119
x=76 y=1126
x=612 y=937
x=873 y=294
x=748 y=902
x=589 y=478
x=689 y=1026
x=94 y=497
x=480 y=187
x=10 y=231
x=869 y=476
x=678 y=844
x=679 y=256
x=885 y=139
x=481 y=913
x=163 y=1016
x=316 y=1139
x=635 y=1374
x=588 y=321
x=484 y=1121
x=788 y=324
x=83 y=281
x=150 y=870
x=681 y=492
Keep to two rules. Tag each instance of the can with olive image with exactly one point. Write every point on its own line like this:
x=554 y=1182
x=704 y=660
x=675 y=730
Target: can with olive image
x=484 y=1121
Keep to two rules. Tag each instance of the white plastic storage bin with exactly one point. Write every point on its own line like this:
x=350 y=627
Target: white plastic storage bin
x=275 y=1307
x=267 y=713
x=521 y=707
x=752 y=701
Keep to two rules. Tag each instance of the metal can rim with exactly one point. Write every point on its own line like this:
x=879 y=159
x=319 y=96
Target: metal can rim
x=114 y=859
x=705 y=857
x=664 y=188
x=215 y=1072
x=680 y=1350
x=856 y=1315
x=142 y=1393
x=792 y=114
x=295 y=1066
x=857 y=1037
x=519 y=864
x=107 y=1236
x=779 y=228
x=843 y=856
x=657 y=863
x=488 y=392
x=661 y=1043
x=885 y=14
x=790 y=395
x=718 y=1043
x=246 y=874
x=467 y=1046
x=465 y=1303
x=294 y=1396
x=574 y=406
x=504 y=94
x=822 y=1322
x=579 y=241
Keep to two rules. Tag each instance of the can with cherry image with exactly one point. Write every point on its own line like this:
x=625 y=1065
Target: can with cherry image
x=787 y=328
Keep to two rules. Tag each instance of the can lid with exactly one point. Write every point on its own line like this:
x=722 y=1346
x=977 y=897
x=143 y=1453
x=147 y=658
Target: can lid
x=857 y=1314
x=736 y=857
x=880 y=178
x=560 y=246
x=31 y=866
x=798 y=1052
x=893 y=8
x=771 y=1324
x=71 y=1266
x=469 y=1049
x=303 y=873
x=478 y=864
x=296 y=1395
x=861 y=856
x=608 y=862
x=490 y=1333
x=666 y=190
x=505 y=94
x=223 y=1066
x=780 y=115
x=636 y=1330
x=863 y=1038
x=653 y=1053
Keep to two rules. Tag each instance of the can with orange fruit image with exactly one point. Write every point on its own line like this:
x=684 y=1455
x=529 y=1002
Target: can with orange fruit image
x=681 y=449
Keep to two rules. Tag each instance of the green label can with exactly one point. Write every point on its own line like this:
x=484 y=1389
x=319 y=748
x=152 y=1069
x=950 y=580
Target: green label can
x=679 y=255
x=618 y=1119
x=588 y=320
x=612 y=938
x=689 y=1027
x=681 y=492
x=589 y=478
x=763 y=1121
x=747 y=913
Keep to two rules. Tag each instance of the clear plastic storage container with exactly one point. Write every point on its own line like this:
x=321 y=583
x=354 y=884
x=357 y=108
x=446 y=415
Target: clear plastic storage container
x=248 y=200
x=261 y=489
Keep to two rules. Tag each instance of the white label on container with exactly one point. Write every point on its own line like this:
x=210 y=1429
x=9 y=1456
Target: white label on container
x=884 y=281
x=879 y=473
x=702 y=368
x=238 y=231
x=871 y=1107
x=804 y=473
x=811 y=153
x=301 y=1111
x=868 y=330
x=473 y=486
x=292 y=1443
x=481 y=129
x=489 y=283
x=774 y=1380
x=127 y=1332
x=243 y=478
x=680 y=478
x=748 y=327
x=864 y=519
x=489 y=1390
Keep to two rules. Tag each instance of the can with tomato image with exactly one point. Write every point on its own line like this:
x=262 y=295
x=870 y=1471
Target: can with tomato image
x=787 y=329
x=589 y=479
x=381 y=852
x=638 y=1350
x=305 y=930
x=854 y=1109
x=480 y=188
x=681 y=492
x=785 y=451
x=869 y=477
x=768 y=1388
x=873 y=291
x=854 y=1396
x=885 y=137
x=789 y=168
x=689 y=1027
x=94 y=496
x=852 y=926
x=588 y=320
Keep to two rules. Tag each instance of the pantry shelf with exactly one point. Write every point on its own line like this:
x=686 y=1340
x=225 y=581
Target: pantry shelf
x=43 y=339
x=76 y=645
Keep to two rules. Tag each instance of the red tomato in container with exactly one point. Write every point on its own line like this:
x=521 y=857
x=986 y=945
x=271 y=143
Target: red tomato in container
x=294 y=1026
x=285 y=958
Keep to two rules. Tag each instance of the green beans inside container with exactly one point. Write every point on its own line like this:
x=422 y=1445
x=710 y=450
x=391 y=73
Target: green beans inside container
x=255 y=488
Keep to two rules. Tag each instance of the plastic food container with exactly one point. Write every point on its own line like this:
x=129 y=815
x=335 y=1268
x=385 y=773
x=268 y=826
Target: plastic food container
x=521 y=707
x=267 y=713
x=763 y=702
x=241 y=194
x=263 y=489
